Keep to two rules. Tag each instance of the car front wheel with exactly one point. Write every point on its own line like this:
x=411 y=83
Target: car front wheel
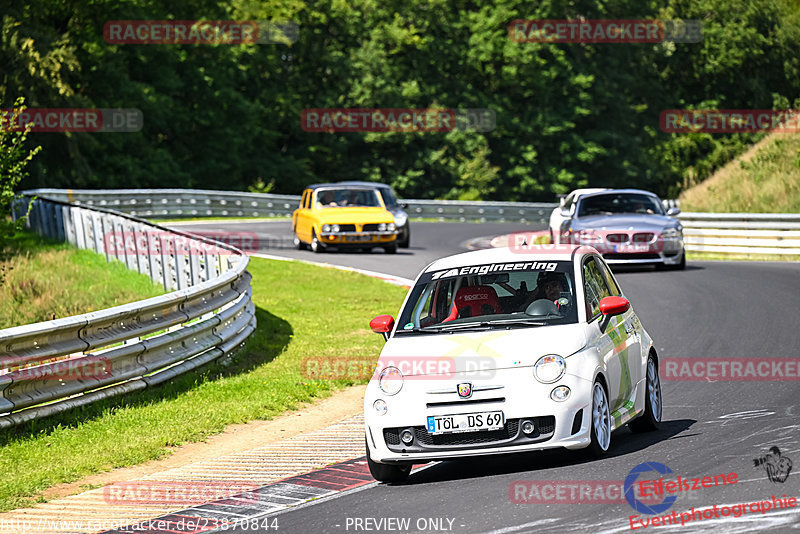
x=601 y=422
x=651 y=418
x=385 y=472
x=390 y=249
x=316 y=246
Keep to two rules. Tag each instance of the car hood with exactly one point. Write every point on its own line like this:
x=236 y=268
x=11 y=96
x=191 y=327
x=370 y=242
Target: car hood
x=429 y=354
x=624 y=222
x=354 y=215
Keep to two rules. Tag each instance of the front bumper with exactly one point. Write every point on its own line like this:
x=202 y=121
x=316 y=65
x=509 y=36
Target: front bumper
x=521 y=398
x=357 y=239
x=664 y=251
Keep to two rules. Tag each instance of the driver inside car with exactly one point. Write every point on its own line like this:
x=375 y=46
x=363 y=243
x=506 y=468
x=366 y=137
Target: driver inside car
x=549 y=286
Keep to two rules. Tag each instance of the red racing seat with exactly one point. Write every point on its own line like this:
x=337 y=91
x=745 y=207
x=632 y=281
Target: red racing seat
x=473 y=301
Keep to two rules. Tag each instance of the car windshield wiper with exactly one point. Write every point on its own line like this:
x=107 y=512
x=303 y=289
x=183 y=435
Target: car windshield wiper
x=526 y=322
x=483 y=325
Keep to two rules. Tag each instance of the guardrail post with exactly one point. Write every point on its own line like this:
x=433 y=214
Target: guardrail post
x=59 y=220
x=165 y=274
x=180 y=261
x=97 y=231
x=69 y=226
x=80 y=235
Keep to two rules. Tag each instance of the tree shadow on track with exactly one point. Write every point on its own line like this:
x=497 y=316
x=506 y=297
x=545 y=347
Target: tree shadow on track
x=623 y=442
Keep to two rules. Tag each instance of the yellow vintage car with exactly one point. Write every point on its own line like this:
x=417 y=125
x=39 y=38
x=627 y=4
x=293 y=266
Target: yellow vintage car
x=343 y=216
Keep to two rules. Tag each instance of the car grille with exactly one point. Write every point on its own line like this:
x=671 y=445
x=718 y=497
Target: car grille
x=372 y=227
x=347 y=227
x=644 y=237
x=617 y=238
x=544 y=425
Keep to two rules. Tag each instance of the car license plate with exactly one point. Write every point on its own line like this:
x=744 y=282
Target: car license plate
x=365 y=237
x=465 y=422
x=632 y=248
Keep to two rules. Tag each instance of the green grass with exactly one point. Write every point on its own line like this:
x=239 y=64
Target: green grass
x=764 y=180
x=302 y=311
x=43 y=280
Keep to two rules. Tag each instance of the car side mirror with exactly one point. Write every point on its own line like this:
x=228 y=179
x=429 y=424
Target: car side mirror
x=611 y=306
x=673 y=212
x=565 y=212
x=404 y=205
x=382 y=324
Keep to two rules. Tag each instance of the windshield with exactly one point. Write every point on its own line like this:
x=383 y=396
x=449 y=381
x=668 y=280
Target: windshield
x=332 y=198
x=611 y=204
x=491 y=296
x=388 y=197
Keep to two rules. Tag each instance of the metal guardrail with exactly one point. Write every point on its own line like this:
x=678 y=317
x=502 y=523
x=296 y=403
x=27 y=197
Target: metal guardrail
x=742 y=233
x=705 y=232
x=187 y=203
x=56 y=365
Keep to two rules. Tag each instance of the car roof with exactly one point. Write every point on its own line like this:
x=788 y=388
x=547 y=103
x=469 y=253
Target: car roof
x=613 y=191
x=355 y=185
x=586 y=191
x=509 y=255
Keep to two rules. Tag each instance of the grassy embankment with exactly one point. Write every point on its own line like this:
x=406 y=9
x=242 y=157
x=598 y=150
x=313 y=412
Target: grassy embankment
x=765 y=179
x=303 y=311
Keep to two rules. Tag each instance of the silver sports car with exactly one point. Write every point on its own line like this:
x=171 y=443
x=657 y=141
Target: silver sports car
x=627 y=226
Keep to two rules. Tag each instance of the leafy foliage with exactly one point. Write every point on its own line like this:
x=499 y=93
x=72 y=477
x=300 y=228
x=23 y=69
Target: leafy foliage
x=14 y=158
x=568 y=115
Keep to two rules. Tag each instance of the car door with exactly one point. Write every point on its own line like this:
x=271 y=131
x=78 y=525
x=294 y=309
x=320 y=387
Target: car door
x=628 y=327
x=610 y=342
x=300 y=217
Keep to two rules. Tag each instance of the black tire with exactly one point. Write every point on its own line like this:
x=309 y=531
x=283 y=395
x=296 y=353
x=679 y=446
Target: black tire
x=653 y=401
x=316 y=246
x=406 y=242
x=390 y=249
x=299 y=245
x=680 y=266
x=387 y=473
x=600 y=417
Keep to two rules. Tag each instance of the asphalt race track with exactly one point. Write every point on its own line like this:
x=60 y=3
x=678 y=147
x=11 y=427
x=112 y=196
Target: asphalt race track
x=712 y=309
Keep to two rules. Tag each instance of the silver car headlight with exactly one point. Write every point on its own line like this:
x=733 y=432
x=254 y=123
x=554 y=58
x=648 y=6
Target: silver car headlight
x=549 y=368
x=391 y=380
x=334 y=228
x=326 y=227
x=382 y=227
x=670 y=233
x=400 y=219
x=391 y=227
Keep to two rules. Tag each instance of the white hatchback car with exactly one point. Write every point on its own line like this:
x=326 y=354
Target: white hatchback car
x=501 y=351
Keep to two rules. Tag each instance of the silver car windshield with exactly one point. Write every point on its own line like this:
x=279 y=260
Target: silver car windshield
x=505 y=295
x=613 y=203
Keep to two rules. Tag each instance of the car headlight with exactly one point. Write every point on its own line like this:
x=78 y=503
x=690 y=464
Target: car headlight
x=391 y=227
x=549 y=368
x=391 y=380
x=670 y=233
x=382 y=227
x=400 y=219
x=326 y=227
x=334 y=228
x=380 y=407
x=588 y=237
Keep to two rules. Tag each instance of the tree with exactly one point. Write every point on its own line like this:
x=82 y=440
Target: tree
x=14 y=157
